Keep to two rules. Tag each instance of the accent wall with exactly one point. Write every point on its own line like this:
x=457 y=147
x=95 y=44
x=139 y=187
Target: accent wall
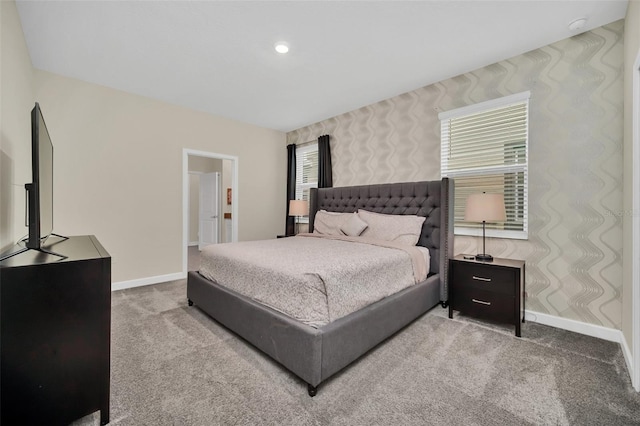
x=574 y=249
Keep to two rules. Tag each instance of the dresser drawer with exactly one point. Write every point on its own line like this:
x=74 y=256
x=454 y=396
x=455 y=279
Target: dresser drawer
x=486 y=278
x=486 y=304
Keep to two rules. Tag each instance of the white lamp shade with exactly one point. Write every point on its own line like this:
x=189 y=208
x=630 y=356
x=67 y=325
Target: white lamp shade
x=298 y=208
x=485 y=208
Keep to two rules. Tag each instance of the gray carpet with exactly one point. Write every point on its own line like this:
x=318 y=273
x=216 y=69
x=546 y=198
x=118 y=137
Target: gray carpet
x=173 y=365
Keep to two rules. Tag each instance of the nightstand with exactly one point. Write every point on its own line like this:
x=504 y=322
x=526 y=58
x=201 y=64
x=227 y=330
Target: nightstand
x=493 y=290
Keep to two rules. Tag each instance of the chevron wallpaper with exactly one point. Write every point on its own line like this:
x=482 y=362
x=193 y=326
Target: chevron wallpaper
x=574 y=250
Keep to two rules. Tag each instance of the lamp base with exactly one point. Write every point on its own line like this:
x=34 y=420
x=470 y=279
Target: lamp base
x=484 y=257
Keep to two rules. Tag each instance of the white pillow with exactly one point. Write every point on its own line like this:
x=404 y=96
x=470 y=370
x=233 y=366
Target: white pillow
x=329 y=223
x=354 y=226
x=403 y=229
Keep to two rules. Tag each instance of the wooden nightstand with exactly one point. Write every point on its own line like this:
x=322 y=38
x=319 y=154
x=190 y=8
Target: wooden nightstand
x=493 y=290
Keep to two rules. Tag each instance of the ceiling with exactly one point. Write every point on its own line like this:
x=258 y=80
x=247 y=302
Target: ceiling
x=219 y=57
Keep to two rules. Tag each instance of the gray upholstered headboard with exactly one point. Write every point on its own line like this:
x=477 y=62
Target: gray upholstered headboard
x=432 y=199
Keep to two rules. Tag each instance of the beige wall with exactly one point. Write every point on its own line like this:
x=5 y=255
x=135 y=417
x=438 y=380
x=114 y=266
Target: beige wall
x=118 y=163
x=631 y=51
x=574 y=251
x=118 y=171
x=16 y=101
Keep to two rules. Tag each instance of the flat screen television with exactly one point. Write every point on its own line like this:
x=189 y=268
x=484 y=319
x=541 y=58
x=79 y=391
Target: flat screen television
x=40 y=190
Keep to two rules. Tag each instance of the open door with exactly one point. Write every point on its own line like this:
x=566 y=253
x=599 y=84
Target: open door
x=209 y=217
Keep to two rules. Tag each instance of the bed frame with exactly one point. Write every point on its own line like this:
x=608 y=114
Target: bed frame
x=315 y=354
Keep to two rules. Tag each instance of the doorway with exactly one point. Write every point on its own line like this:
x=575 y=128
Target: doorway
x=195 y=164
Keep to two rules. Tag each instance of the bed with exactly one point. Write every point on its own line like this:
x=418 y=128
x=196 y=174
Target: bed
x=314 y=352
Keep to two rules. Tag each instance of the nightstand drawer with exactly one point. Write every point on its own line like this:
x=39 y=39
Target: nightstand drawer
x=486 y=278
x=485 y=303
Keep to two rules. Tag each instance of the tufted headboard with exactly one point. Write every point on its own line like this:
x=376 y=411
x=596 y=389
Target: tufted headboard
x=432 y=199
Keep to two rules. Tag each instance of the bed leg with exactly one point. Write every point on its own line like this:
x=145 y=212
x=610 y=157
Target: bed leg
x=313 y=390
x=444 y=304
x=189 y=302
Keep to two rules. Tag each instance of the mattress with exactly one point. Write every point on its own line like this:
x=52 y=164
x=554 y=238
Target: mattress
x=314 y=279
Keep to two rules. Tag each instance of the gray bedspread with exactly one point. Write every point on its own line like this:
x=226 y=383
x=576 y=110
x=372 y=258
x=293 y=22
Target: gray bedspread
x=314 y=280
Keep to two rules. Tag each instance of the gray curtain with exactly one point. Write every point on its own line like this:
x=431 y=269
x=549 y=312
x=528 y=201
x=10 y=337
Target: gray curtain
x=291 y=187
x=325 y=176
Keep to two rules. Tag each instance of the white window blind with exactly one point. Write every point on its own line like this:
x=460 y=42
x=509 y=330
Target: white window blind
x=306 y=171
x=484 y=148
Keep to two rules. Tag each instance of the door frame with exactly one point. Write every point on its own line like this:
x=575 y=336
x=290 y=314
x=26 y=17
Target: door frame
x=186 y=152
x=635 y=251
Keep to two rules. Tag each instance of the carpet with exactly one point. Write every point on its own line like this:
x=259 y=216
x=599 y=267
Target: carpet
x=173 y=365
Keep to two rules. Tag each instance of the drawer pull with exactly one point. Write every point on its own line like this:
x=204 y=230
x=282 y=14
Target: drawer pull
x=482 y=302
x=481 y=279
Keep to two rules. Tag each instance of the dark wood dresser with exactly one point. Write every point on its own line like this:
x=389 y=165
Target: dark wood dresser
x=492 y=290
x=55 y=326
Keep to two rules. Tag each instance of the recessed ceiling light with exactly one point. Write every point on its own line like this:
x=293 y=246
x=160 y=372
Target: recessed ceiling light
x=281 y=47
x=577 y=24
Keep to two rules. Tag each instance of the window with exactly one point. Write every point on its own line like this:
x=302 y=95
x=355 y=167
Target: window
x=306 y=171
x=484 y=148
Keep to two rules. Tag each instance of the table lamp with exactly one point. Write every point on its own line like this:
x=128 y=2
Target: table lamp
x=485 y=208
x=298 y=208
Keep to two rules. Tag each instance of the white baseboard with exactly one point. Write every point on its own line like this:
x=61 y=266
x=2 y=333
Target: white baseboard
x=626 y=351
x=193 y=243
x=147 y=281
x=592 y=330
